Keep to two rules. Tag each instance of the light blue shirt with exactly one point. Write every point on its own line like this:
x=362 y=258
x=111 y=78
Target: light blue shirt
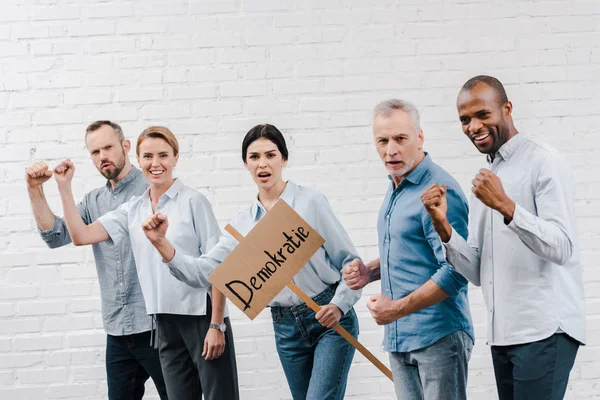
x=411 y=253
x=321 y=271
x=193 y=230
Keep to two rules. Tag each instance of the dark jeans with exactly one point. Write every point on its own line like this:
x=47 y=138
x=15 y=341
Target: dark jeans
x=130 y=361
x=538 y=370
x=188 y=375
x=316 y=360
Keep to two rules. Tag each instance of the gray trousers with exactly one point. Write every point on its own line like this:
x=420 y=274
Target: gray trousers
x=187 y=374
x=436 y=372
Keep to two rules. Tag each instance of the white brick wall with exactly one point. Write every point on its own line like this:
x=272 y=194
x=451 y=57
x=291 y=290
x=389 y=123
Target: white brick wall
x=212 y=69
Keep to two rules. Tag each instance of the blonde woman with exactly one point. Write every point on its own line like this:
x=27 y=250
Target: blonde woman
x=195 y=341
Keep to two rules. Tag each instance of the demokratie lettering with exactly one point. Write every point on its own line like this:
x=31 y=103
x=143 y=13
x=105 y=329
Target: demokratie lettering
x=244 y=291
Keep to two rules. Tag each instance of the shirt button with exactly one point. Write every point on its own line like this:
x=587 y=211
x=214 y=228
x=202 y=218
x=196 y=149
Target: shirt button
x=387 y=290
x=388 y=216
x=125 y=306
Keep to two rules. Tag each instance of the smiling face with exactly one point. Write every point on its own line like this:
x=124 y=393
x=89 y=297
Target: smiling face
x=157 y=160
x=399 y=143
x=485 y=121
x=108 y=152
x=265 y=163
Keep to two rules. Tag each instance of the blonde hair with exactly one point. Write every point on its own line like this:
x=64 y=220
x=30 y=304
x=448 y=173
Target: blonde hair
x=158 y=132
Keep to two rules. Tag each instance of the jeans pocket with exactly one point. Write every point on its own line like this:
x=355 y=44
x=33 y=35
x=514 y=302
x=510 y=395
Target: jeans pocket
x=467 y=344
x=275 y=316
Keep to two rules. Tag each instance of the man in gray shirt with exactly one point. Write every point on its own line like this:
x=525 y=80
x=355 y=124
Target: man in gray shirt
x=130 y=358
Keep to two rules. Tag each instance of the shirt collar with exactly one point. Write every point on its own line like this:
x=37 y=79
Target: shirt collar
x=416 y=174
x=133 y=173
x=510 y=147
x=171 y=192
x=174 y=189
x=287 y=195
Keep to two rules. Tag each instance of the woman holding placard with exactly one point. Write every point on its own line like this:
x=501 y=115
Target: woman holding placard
x=315 y=358
x=195 y=342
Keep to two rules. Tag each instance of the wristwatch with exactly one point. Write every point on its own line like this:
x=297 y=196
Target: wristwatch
x=221 y=327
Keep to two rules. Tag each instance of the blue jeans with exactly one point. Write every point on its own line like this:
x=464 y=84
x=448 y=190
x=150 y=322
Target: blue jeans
x=316 y=360
x=436 y=372
x=538 y=370
x=130 y=361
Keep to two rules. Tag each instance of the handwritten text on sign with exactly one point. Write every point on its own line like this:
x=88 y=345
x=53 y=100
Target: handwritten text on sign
x=270 y=256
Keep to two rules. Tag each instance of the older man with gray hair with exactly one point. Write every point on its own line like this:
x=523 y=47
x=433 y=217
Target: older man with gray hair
x=423 y=304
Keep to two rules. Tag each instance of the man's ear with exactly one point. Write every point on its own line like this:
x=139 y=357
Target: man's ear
x=507 y=108
x=126 y=146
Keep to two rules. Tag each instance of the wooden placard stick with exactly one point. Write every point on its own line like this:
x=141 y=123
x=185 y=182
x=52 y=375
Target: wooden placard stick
x=315 y=307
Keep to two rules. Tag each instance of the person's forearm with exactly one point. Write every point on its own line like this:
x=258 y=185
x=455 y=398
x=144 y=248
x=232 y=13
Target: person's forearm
x=425 y=296
x=165 y=249
x=218 y=306
x=44 y=217
x=444 y=229
x=373 y=270
x=75 y=224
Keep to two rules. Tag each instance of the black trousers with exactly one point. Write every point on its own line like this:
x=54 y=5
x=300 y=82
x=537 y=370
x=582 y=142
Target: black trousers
x=538 y=370
x=187 y=374
x=130 y=361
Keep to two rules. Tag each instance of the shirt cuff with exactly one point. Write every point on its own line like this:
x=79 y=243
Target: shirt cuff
x=521 y=219
x=177 y=262
x=56 y=229
x=343 y=304
x=450 y=244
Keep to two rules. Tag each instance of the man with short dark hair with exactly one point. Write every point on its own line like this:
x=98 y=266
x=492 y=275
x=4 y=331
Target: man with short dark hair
x=130 y=358
x=522 y=247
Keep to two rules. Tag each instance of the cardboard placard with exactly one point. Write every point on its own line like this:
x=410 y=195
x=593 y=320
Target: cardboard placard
x=267 y=259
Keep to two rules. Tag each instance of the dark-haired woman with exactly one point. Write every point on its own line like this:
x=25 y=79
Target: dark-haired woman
x=315 y=358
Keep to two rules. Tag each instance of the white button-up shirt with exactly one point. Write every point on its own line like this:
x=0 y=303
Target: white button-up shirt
x=321 y=271
x=529 y=270
x=193 y=230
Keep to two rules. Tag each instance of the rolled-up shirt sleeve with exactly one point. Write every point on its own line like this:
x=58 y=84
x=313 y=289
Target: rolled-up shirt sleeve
x=58 y=235
x=115 y=223
x=340 y=250
x=548 y=234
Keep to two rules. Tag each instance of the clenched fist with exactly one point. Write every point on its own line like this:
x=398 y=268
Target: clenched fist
x=36 y=174
x=355 y=274
x=155 y=227
x=63 y=172
x=434 y=200
x=488 y=188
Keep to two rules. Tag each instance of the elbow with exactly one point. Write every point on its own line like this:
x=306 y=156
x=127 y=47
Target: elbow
x=565 y=254
x=52 y=244
x=194 y=283
x=77 y=240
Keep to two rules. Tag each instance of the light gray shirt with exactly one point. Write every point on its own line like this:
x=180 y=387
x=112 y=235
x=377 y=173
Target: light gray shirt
x=123 y=310
x=193 y=230
x=321 y=271
x=529 y=270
